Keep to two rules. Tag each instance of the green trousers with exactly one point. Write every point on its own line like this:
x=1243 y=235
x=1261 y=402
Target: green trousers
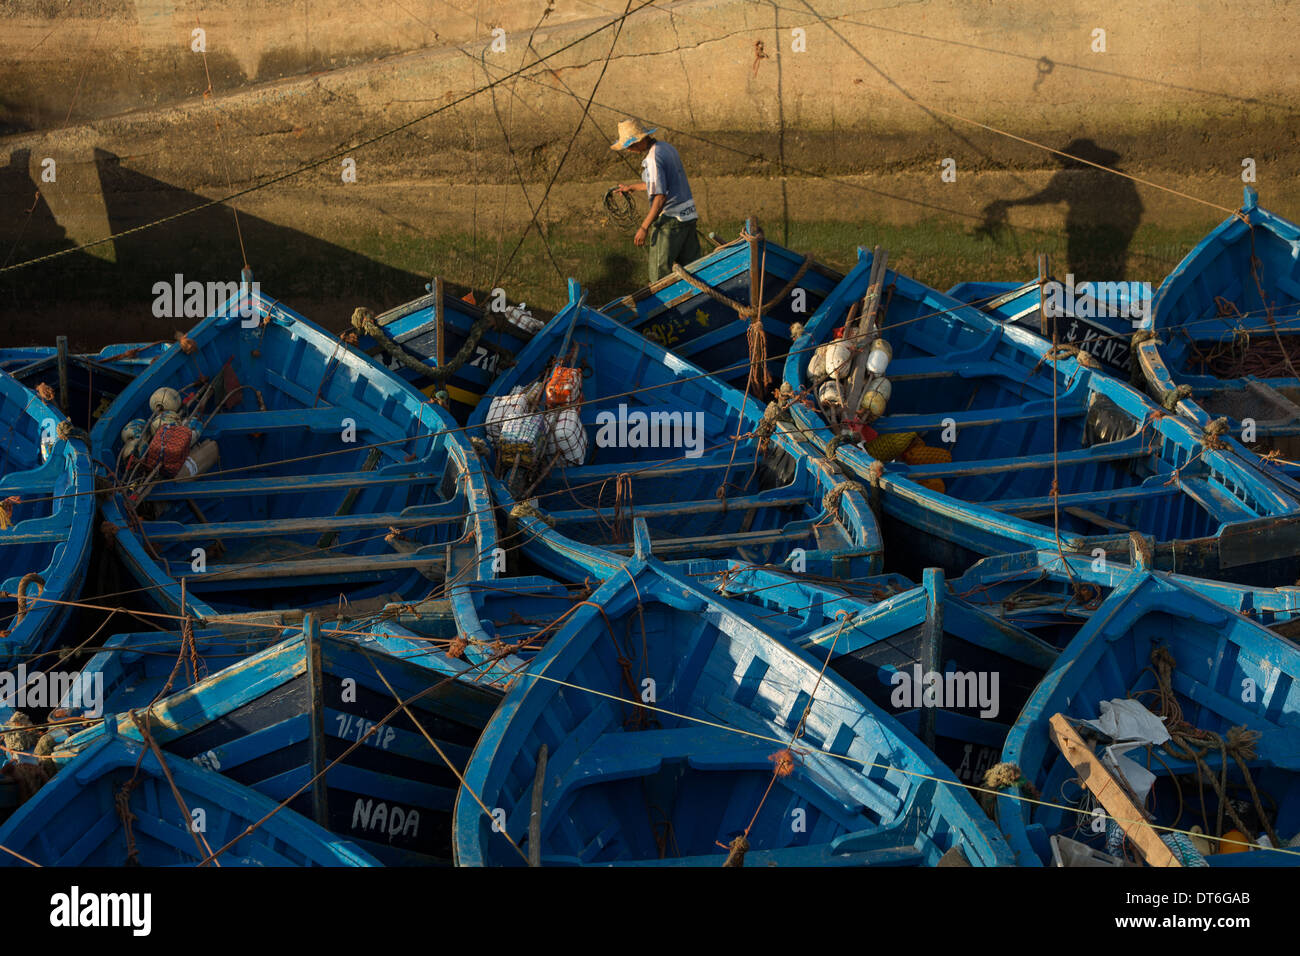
x=671 y=240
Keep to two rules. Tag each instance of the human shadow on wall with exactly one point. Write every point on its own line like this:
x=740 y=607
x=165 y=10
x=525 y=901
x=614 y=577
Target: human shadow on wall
x=1102 y=215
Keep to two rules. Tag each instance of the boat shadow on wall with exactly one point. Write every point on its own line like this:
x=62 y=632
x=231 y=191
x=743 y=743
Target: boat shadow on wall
x=97 y=301
x=1102 y=213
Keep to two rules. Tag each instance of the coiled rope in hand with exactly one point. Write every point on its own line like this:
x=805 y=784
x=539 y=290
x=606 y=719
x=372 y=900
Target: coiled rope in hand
x=620 y=207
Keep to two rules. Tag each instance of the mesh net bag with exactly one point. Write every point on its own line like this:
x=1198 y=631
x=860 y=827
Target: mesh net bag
x=889 y=447
x=567 y=437
x=168 y=449
x=502 y=409
x=521 y=440
x=919 y=453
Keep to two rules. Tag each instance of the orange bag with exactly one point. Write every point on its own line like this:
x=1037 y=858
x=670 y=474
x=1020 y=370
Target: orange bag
x=564 y=386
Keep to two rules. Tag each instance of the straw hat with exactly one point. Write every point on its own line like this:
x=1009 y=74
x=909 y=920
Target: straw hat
x=629 y=132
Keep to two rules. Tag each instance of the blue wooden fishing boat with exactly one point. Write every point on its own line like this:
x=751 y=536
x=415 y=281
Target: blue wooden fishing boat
x=492 y=628
x=670 y=727
x=696 y=310
x=1097 y=318
x=1202 y=669
x=596 y=424
x=122 y=357
x=983 y=438
x=113 y=805
x=130 y=671
x=47 y=512
x=1224 y=333
x=270 y=466
x=951 y=672
x=1051 y=593
x=443 y=343
x=275 y=721
x=82 y=386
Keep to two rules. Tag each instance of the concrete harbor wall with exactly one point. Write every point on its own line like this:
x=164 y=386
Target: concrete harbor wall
x=850 y=120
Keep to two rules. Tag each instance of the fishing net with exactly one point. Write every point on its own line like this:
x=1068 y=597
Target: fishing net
x=890 y=447
x=521 y=440
x=919 y=453
x=503 y=409
x=168 y=449
x=567 y=437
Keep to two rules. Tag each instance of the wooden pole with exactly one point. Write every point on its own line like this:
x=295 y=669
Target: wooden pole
x=932 y=637
x=535 y=816
x=1110 y=793
x=858 y=339
x=315 y=689
x=1042 y=281
x=62 y=344
x=439 y=322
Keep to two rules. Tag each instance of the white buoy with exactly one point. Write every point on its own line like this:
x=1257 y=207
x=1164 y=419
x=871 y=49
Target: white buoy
x=165 y=400
x=878 y=358
x=839 y=360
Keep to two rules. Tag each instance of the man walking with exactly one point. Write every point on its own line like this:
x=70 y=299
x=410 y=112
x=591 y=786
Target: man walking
x=670 y=223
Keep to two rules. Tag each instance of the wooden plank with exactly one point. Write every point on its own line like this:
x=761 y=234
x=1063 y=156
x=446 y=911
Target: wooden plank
x=316 y=691
x=866 y=324
x=668 y=508
x=440 y=319
x=931 y=648
x=1098 y=520
x=1043 y=504
x=707 y=542
x=62 y=347
x=323 y=419
x=163 y=530
x=202 y=487
x=308 y=567
x=535 y=817
x=1001 y=417
x=1122 y=450
x=1110 y=793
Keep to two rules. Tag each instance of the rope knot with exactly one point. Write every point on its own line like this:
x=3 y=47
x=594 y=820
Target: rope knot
x=456 y=649
x=1173 y=396
x=1212 y=437
x=524 y=509
x=45 y=392
x=831 y=502
x=1241 y=742
x=736 y=851
x=783 y=762
x=1000 y=776
x=7 y=512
